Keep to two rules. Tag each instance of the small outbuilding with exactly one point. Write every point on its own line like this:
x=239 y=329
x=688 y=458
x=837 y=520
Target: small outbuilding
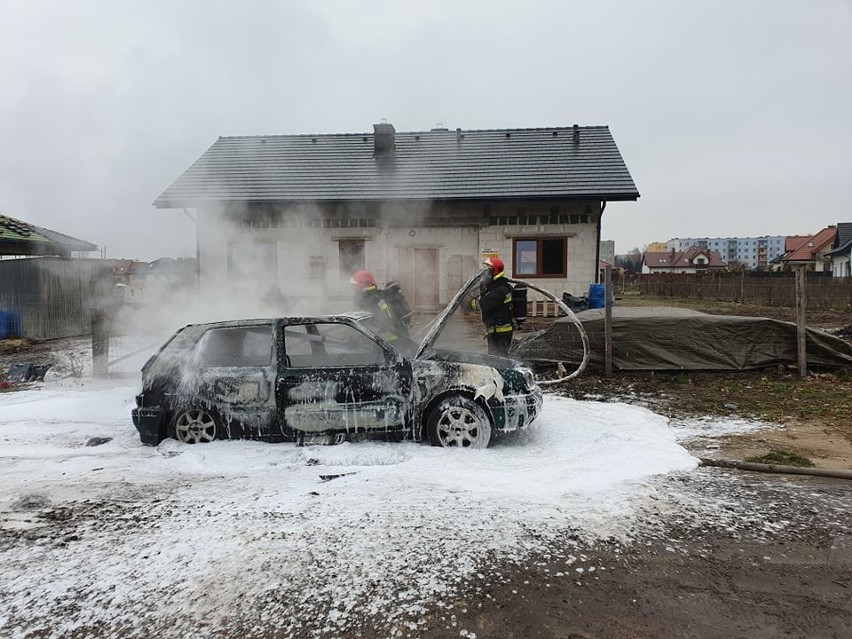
x=46 y=292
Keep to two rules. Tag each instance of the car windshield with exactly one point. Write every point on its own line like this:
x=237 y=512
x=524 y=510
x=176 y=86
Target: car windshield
x=399 y=341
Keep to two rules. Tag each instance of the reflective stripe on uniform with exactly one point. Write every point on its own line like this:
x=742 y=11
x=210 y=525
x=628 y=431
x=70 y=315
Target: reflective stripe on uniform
x=505 y=328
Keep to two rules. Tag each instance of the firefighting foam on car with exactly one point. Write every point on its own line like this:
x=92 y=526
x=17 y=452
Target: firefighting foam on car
x=332 y=378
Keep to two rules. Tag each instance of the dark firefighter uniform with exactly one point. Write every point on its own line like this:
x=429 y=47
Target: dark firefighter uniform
x=372 y=300
x=495 y=303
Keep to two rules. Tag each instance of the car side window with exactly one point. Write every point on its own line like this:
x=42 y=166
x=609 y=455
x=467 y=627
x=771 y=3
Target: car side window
x=236 y=346
x=330 y=345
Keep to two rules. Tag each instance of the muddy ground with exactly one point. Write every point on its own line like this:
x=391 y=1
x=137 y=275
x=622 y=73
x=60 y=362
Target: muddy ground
x=720 y=553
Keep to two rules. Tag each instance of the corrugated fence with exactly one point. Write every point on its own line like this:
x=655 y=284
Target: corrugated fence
x=52 y=297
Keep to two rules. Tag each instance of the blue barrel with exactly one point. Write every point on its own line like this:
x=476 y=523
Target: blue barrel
x=13 y=324
x=597 y=296
x=4 y=329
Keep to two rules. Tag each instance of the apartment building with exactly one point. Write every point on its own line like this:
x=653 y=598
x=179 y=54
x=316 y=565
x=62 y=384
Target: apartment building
x=754 y=252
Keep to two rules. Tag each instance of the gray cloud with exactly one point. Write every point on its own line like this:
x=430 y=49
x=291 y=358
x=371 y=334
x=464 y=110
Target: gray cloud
x=732 y=116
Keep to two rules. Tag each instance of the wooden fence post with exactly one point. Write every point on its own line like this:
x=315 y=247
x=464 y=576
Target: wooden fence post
x=608 y=321
x=801 y=326
x=100 y=342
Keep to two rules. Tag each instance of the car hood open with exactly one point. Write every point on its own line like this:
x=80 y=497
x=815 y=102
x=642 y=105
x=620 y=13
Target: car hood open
x=434 y=332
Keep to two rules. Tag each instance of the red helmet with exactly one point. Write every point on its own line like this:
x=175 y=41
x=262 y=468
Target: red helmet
x=496 y=265
x=363 y=279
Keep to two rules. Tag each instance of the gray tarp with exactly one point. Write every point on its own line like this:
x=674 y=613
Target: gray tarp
x=667 y=339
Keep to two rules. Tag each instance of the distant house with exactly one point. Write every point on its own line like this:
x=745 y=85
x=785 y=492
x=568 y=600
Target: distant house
x=423 y=207
x=151 y=281
x=695 y=259
x=841 y=252
x=810 y=251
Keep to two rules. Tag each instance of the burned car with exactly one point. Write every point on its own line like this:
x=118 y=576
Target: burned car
x=326 y=379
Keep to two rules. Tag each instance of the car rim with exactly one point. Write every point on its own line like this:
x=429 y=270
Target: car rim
x=196 y=427
x=458 y=427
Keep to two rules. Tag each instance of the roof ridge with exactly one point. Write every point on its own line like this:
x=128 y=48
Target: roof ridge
x=415 y=132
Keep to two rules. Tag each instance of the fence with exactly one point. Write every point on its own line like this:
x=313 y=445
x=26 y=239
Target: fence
x=823 y=291
x=52 y=297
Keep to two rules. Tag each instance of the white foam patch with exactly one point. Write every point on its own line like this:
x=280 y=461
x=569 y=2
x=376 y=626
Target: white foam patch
x=694 y=428
x=366 y=528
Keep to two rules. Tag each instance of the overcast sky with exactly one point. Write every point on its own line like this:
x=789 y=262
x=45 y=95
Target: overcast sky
x=733 y=115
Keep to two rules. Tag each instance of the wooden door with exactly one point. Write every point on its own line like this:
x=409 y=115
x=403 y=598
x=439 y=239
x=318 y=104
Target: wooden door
x=419 y=276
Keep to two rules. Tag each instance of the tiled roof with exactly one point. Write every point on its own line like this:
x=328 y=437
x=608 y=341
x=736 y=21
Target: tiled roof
x=714 y=259
x=795 y=242
x=426 y=165
x=22 y=238
x=844 y=238
x=684 y=259
x=813 y=245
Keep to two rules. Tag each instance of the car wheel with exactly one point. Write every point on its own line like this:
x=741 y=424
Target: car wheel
x=196 y=426
x=459 y=422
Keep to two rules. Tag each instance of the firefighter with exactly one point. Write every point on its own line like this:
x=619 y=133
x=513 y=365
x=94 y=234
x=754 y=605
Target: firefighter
x=371 y=298
x=495 y=302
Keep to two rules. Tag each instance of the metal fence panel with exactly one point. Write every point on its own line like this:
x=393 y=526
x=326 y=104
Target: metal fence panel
x=53 y=296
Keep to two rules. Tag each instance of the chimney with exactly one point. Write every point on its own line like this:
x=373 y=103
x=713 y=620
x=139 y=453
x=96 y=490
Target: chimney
x=383 y=138
x=576 y=135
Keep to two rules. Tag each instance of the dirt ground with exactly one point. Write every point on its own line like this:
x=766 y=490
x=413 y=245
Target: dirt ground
x=693 y=578
x=720 y=553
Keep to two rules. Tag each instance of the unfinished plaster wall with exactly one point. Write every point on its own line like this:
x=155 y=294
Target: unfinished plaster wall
x=431 y=248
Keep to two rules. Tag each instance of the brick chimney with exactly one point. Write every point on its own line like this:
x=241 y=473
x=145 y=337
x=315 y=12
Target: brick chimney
x=383 y=138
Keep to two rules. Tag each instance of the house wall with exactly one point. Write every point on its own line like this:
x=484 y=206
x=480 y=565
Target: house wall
x=247 y=251
x=841 y=265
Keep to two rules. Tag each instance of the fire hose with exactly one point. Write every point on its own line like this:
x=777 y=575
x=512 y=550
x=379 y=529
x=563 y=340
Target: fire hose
x=451 y=308
x=574 y=320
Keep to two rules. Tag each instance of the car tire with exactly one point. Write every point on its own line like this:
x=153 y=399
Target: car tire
x=196 y=426
x=458 y=422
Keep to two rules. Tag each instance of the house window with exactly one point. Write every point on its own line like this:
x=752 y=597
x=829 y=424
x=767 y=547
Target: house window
x=540 y=257
x=351 y=256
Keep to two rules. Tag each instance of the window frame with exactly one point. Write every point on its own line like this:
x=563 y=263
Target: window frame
x=539 y=254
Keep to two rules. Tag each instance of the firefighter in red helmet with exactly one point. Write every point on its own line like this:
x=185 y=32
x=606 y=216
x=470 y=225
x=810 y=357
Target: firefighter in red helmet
x=373 y=300
x=495 y=302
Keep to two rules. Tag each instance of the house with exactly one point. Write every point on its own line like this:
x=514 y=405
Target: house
x=153 y=282
x=841 y=251
x=302 y=212
x=695 y=259
x=810 y=251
